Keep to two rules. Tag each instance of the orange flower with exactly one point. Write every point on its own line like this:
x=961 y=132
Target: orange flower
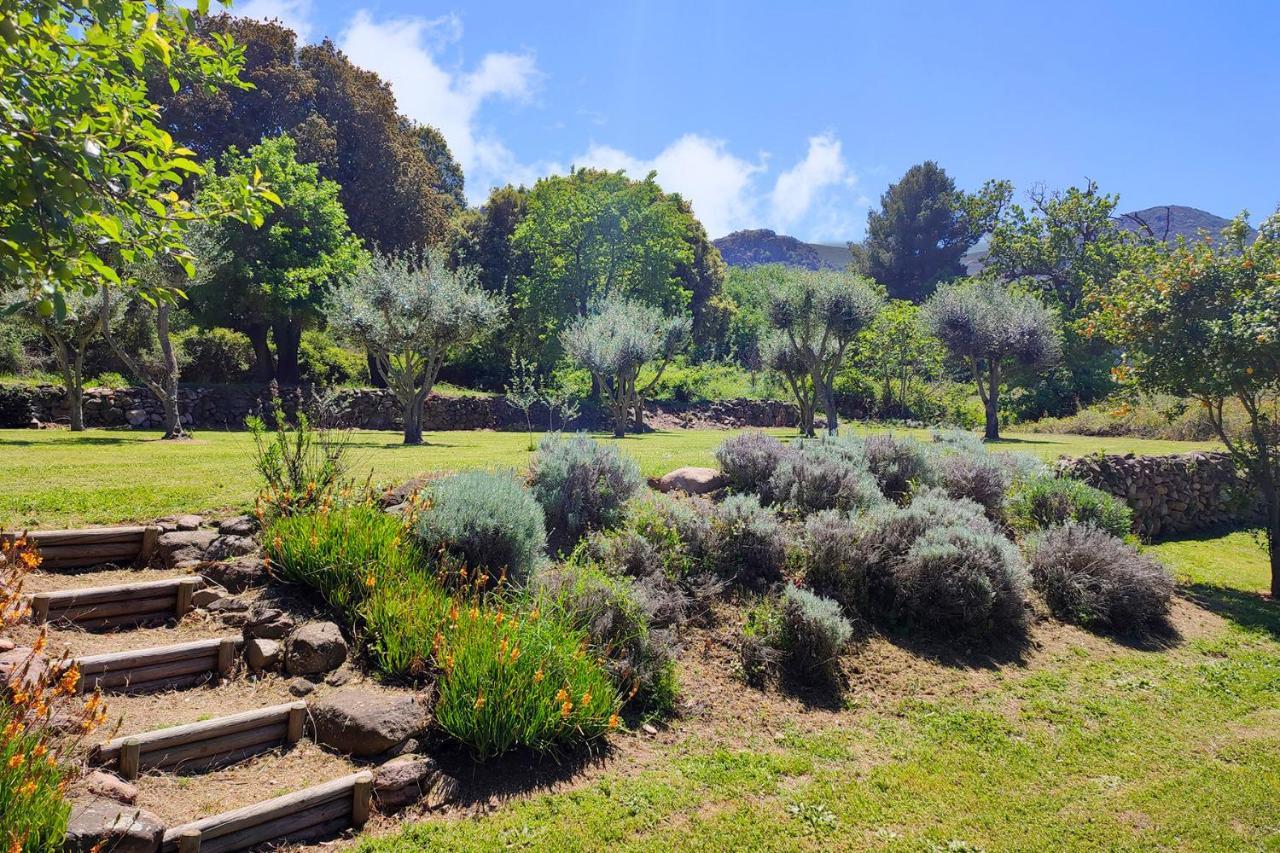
x=479 y=703
x=29 y=788
x=538 y=676
x=15 y=761
x=586 y=698
x=370 y=580
x=613 y=721
x=562 y=695
x=565 y=709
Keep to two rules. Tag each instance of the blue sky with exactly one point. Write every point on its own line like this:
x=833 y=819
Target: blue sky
x=797 y=116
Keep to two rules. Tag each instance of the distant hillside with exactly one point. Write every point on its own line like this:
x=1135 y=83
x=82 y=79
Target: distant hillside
x=763 y=246
x=1169 y=222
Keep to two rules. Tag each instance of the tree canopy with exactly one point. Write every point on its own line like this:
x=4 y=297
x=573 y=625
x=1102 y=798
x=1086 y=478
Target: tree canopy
x=277 y=276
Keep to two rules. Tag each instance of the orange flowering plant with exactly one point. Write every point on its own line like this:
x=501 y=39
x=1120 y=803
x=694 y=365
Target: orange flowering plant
x=42 y=720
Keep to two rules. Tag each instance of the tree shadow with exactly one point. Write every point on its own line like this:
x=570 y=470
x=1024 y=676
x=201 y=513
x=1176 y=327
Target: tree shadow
x=104 y=441
x=1256 y=611
x=987 y=653
x=515 y=774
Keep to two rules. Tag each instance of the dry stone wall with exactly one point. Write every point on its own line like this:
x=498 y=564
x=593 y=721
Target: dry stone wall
x=1169 y=494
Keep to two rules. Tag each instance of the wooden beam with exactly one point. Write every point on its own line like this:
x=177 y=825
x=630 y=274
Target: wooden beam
x=186 y=588
x=147 y=549
x=130 y=755
x=118 y=592
x=361 y=796
x=193 y=732
x=147 y=657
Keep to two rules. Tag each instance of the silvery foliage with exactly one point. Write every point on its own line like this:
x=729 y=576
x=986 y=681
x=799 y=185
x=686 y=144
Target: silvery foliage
x=618 y=336
x=988 y=320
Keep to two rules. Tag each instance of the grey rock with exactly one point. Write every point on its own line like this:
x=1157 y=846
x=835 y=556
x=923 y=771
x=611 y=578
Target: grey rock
x=239 y=525
x=21 y=661
x=314 y=648
x=340 y=676
x=693 y=480
x=205 y=597
x=262 y=655
x=410 y=778
x=226 y=546
x=300 y=687
x=269 y=623
x=109 y=825
x=236 y=575
x=188 y=522
x=363 y=722
x=401 y=493
x=111 y=786
x=184 y=545
x=136 y=417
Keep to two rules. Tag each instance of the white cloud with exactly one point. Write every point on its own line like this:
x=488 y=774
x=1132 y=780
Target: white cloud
x=404 y=53
x=798 y=189
x=717 y=183
x=294 y=14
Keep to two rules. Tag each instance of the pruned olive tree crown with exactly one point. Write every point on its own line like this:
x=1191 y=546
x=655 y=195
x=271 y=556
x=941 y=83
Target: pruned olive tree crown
x=411 y=313
x=614 y=340
x=992 y=326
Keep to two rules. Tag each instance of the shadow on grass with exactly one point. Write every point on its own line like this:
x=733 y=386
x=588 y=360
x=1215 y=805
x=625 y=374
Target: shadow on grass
x=514 y=774
x=965 y=652
x=1253 y=610
x=94 y=440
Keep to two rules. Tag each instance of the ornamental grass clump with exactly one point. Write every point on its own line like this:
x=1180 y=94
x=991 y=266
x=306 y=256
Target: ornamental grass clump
x=487 y=520
x=581 y=485
x=812 y=634
x=749 y=542
x=1046 y=501
x=43 y=721
x=1092 y=578
x=748 y=461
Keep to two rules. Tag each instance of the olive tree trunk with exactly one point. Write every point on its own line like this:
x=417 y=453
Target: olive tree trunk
x=989 y=392
x=410 y=376
x=164 y=385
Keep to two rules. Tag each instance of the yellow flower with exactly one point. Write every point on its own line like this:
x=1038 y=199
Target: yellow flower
x=370 y=580
x=479 y=703
x=565 y=709
x=562 y=695
x=515 y=654
x=586 y=698
x=538 y=676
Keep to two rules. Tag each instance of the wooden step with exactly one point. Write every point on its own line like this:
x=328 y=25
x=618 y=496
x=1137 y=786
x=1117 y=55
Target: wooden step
x=106 y=607
x=66 y=549
x=206 y=744
x=315 y=812
x=158 y=667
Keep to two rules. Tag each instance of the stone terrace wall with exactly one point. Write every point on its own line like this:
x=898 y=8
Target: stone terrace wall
x=226 y=406
x=1169 y=494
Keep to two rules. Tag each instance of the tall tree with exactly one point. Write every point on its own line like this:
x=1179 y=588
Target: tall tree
x=923 y=227
x=820 y=313
x=1202 y=320
x=992 y=327
x=412 y=314
x=702 y=274
x=450 y=181
x=85 y=171
x=593 y=235
x=275 y=278
x=343 y=118
x=897 y=352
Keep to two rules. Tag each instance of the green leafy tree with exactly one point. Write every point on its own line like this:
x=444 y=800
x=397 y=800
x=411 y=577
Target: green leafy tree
x=923 y=227
x=779 y=355
x=593 y=235
x=276 y=277
x=820 y=313
x=1203 y=321
x=746 y=294
x=86 y=172
x=450 y=181
x=992 y=327
x=897 y=352
x=68 y=334
x=412 y=314
x=614 y=340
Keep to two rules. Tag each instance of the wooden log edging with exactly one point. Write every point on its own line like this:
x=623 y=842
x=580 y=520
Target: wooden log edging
x=158 y=667
x=206 y=744
x=315 y=812
x=70 y=549
x=116 y=606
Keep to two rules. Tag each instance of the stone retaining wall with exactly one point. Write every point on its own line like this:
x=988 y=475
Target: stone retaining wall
x=226 y=406
x=1169 y=494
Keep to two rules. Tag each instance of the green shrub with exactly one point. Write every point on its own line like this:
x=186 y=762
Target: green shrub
x=814 y=476
x=957 y=581
x=214 y=356
x=813 y=631
x=109 y=380
x=749 y=543
x=302 y=466
x=487 y=519
x=582 y=485
x=322 y=362
x=758 y=651
x=1046 y=501
x=829 y=555
x=1090 y=577
x=748 y=461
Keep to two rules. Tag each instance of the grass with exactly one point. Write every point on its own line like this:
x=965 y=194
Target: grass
x=1094 y=745
x=54 y=478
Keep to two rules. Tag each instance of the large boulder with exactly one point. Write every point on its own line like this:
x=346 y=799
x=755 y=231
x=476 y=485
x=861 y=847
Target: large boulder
x=314 y=648
x=693 y=480
x=184 y=546
x=240 y=525
x=103 y=784
x=409 y=779
x=236 y=575
x=226 y=546
x=262 y=655
x=99 y=823
x=362 y=722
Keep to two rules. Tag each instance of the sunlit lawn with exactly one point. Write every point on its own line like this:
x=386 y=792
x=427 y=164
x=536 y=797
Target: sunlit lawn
x=58 y=478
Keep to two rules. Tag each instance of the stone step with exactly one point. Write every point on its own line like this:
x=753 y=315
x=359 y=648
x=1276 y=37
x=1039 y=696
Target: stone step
x=204 y=745
x=122 y=605
x=316 y=812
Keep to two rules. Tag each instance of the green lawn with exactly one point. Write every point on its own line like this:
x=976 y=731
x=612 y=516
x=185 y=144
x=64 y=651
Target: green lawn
x=56 y=478
x=1094 y=745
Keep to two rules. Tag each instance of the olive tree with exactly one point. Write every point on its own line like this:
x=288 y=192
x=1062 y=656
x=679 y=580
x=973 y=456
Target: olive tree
x=1203 y=321
x=992 y=326
x=614 y=340
x=777 y=354
x=68 y=335
x=820 y=313
x=411 y=313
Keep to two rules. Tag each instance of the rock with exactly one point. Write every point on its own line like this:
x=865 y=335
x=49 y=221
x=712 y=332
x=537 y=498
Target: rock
x=6 y=645
x=300 y=687
x=136 y=417
x=205 y=597
x=225 y=547
x=363 y=722
x=314 y=648
x=410 y=778
x=694 y=481
x=340 y=676
x=262 y=655
x=111 y=786
x=104 y=824
x=184 y=545
x=239 y=525
x=188 y=522
x=401 y=493
x=21 y=660
x=268 y=623
x=236 y=575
